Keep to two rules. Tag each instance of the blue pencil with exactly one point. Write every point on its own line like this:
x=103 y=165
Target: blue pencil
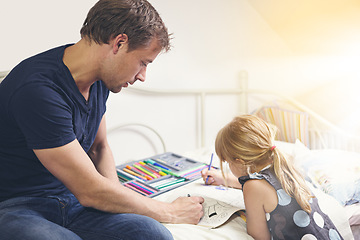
x=209 y=167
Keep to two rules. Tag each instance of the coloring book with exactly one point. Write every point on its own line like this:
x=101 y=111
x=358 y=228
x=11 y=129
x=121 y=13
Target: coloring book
x=219 y=205
x=218 y=212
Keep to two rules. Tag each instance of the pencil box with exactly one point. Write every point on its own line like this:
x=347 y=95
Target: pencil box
x=160 y=173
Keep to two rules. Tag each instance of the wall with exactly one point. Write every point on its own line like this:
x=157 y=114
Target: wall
x=213 y=42
x=29 y=27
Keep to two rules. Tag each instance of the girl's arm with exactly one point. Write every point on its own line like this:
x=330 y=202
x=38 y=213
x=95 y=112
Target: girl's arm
x=215 y=177
x=259 y=198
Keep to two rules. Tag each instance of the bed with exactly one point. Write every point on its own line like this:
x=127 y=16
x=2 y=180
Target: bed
x=235 y=227
x=312 y=148
x=313 y=143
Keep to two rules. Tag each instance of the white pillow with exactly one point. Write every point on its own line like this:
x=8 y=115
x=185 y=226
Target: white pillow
x=335 y=172
x=335 y=211
x=353 y=213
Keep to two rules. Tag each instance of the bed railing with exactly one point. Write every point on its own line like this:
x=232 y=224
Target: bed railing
x=201 y=94
x=328 y=136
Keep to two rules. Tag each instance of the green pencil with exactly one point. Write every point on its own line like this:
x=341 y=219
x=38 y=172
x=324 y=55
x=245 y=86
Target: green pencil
x=171 y=183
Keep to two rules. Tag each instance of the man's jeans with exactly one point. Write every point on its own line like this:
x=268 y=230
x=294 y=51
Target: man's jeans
x=63 y=218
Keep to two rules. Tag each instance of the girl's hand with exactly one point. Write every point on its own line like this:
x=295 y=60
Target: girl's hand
x=214 y=177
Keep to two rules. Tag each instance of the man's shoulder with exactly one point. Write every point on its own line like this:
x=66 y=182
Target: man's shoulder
x=45 y=61
x=59 y=50
x=45 y=67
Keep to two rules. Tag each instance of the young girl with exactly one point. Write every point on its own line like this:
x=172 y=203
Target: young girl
x=278 y=203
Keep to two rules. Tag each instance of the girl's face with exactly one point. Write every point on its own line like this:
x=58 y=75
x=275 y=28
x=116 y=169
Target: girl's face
x=238 y=168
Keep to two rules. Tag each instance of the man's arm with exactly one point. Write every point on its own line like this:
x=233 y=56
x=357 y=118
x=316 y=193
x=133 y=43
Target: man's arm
x=94 y=185
x=101 y=154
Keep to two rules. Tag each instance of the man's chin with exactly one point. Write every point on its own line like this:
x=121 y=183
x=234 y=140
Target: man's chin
x=115 y=90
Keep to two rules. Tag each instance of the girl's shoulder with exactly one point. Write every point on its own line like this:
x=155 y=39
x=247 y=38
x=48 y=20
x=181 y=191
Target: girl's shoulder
x=257 y=187
x=260 y=192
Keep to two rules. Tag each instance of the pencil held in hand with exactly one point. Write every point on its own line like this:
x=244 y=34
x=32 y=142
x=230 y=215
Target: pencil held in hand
x=212 y=155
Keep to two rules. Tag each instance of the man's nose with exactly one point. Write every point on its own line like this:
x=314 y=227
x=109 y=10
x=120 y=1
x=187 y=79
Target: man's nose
x=141 y=76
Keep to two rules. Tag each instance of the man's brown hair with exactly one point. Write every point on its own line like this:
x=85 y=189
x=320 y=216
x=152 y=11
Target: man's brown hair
x=138 y=19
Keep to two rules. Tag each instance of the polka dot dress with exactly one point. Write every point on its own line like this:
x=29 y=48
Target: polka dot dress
x=289 y=221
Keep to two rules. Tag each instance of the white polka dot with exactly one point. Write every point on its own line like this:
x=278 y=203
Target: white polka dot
x=308 y=237
x=284 y=198
x=318 y=219
x=267 y=215
x=333 y=235
x=301 y=218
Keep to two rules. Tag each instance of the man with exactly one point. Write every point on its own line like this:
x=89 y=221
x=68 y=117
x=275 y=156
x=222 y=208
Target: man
x=57 y=174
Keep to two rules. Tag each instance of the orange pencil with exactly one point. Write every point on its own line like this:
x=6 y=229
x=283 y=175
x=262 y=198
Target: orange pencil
x=139 y=172
x=133 y=173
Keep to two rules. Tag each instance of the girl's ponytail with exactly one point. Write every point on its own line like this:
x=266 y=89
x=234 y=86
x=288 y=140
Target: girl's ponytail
x=291 y=180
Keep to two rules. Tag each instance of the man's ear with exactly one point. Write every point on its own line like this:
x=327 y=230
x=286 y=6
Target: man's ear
x=119 y=42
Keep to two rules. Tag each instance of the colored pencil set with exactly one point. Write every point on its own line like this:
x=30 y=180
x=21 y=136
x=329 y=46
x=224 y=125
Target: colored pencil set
x=146 y=170
x=160 y=173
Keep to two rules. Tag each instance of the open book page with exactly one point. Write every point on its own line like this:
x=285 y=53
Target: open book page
x=220 y=202
x=216 y=212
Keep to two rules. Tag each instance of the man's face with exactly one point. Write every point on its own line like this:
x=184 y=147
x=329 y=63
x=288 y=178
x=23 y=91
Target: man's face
x=123 y=68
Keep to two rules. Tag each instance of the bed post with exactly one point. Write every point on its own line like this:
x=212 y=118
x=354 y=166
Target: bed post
x=202 y=119
x=243 y=95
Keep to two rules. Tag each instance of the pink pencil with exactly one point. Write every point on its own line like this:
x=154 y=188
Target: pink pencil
x=193 y=175
x=140 y=188
x=196 y=170
x=147 y=187
x=135 y=189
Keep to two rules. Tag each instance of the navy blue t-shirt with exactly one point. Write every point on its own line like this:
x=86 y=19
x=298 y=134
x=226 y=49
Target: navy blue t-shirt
x=41 y=107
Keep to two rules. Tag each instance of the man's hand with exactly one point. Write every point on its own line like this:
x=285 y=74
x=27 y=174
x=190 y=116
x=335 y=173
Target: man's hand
x=187 y=210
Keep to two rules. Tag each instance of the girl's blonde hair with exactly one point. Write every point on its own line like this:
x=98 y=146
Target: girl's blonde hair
x=251 y=139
